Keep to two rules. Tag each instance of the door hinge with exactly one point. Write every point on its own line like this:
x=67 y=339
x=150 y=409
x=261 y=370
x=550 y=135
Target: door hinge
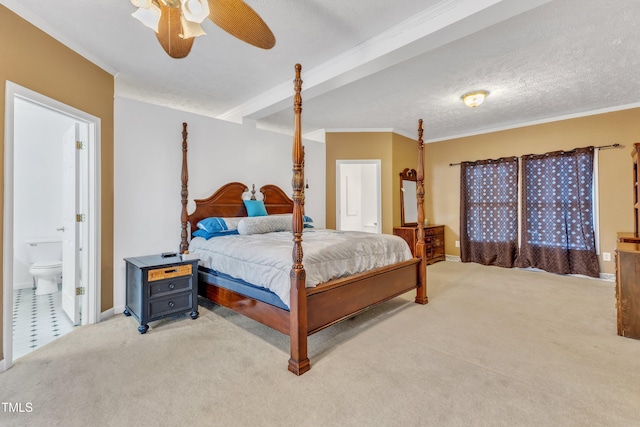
x=79 y=145
x=80 y=291
x=80 y=218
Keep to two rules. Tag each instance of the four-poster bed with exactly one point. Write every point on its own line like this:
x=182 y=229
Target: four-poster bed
x=310 y=309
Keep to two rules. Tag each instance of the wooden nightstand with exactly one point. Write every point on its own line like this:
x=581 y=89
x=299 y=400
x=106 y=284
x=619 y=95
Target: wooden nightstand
x=161 y=286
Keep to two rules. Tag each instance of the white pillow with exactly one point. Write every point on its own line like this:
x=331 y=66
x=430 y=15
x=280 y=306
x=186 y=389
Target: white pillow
x=264 y=224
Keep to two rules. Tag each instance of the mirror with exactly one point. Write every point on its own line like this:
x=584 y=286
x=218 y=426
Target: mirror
x=408 y=198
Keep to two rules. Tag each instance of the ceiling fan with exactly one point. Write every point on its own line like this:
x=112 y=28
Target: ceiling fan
x=177 y=22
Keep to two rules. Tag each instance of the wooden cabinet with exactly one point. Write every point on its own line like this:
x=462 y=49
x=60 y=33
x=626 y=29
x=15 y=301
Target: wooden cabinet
x=433 y=240
x=628 y=289
x=636 y=191
x=160 y=286
x=635 y=236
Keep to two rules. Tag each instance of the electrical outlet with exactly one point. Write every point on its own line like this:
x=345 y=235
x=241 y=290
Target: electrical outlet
x=606 y=256
x=457 y=243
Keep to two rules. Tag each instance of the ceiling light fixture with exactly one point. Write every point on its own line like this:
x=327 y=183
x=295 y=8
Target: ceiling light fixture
x=475 y=98
x=177 y=22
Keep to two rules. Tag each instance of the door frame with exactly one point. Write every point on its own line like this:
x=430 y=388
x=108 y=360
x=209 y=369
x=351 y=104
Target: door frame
x=378 y=164
x=91 y=311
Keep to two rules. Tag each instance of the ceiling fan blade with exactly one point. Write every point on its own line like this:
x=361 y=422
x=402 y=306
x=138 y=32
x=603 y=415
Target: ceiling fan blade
x=169 y=30
x=239 y=20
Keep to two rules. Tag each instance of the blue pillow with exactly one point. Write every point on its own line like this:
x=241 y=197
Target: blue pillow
x=212 y=224
x=255 y=208
x=205 y=234
x=306 y=219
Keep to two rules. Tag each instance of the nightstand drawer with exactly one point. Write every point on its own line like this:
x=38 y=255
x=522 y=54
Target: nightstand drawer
x=170 y=286
x=174 y=303
x=170 y=272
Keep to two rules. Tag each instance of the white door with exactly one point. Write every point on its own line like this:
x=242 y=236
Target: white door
x=71 y=230
x=358 y=198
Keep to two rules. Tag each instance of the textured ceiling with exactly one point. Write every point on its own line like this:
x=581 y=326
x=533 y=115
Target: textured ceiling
x=373 y=64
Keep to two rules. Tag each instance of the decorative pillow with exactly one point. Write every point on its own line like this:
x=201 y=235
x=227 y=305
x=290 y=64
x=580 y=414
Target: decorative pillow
x=264 y=224
x=306 y=220
x=214 y=224
x=255 y=208
x=205 y=234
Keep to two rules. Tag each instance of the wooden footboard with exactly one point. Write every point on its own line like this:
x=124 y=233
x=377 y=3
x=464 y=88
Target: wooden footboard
x=328 y=303
x=340 y=299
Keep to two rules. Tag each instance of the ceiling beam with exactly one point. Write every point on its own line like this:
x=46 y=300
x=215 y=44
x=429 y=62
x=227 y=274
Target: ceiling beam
x=448 y=21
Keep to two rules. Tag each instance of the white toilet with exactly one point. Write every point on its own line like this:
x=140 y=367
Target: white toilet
x=45 y=256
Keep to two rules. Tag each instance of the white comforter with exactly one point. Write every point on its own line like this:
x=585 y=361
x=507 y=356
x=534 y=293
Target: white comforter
x=265 y=259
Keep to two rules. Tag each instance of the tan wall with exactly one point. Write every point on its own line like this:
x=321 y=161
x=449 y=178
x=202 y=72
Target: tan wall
x=36 y=61
x=614 y=168
x=396 y=153
x=359 y=146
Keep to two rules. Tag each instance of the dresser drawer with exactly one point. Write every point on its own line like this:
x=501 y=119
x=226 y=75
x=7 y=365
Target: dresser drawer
x=170 y=286
x=433 y=241
x=430 y=231
x=174 y=303
x=170 y=272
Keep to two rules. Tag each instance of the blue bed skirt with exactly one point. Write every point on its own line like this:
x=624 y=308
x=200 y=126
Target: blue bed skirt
x=252 y=291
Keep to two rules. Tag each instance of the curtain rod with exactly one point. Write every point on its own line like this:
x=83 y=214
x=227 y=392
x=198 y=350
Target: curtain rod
x=601 y=147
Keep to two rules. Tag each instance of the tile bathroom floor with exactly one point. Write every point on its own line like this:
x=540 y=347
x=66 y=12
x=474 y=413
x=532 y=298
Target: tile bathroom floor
x=37 y=320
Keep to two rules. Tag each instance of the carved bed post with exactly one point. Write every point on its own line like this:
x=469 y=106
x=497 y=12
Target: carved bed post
x=184 y=238
x=299 y=361
x=421 y=292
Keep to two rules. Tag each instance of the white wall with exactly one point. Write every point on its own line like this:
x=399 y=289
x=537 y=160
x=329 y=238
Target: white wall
x=38 y=136
x=147 y=165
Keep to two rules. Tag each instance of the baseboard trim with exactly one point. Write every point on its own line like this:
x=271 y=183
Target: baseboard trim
x=106 y=314
x=609 y=277
x=25 y=285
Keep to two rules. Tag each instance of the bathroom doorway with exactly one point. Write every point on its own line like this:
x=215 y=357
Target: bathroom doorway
x=51 y=194
x=358 y=195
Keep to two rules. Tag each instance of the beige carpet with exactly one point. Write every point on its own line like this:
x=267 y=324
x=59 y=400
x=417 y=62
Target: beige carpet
x=494 y=347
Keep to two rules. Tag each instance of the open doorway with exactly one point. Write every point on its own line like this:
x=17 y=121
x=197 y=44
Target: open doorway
x=50 y=211
x=358 y=195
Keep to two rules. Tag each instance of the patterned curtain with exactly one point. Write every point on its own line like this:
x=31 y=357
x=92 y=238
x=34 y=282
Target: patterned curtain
x=489 y=211
x=557 y=213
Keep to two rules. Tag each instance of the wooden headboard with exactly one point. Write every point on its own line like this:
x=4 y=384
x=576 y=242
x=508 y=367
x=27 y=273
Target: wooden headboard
x=227 y=202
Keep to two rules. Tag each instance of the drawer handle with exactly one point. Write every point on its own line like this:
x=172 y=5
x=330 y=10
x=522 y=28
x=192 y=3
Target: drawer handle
x=171 y=304
x=175 y=270
x=171 y=286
